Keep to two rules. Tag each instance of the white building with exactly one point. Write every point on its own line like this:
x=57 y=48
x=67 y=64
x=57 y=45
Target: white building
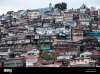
x=33 y=14
x=31 y=60
x=33 y=52
x=45 y=30
x=78 y=62
x=99 y=12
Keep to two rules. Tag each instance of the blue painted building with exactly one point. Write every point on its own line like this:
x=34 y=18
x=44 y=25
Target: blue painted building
x=95 y=34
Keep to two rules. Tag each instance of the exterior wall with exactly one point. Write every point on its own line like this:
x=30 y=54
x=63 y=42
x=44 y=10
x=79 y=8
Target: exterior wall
x=23 y=41
x=99 y=26
x=13 y=63
x=82 y=10
x=84 y=18
x=76 y=38
x=77 y=35
x=98 y=11
x=3 y=54
x=64 y=57
x=95 y=34
x=94 y=25
x=30 y=60
x=33 y=14
x=58 y=18
x=81 y=61
x=68 y=16
x=33 y=52
x=45 y=47
x=84 y=23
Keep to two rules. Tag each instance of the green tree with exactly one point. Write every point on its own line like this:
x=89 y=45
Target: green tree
x=61 y=6
x=98 y=44
x=38 y=46
x=64 y=6
x=48 y=56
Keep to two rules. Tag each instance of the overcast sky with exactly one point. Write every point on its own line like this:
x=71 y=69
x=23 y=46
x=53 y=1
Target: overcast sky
x=8 y=5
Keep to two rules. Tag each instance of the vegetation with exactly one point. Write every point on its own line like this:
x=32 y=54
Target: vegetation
x=48 y=56
x=38 y=46
x=11 y=55
x=61 y=6
x=98 y=44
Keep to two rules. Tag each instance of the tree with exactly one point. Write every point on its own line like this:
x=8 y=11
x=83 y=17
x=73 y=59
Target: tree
x=38 y=46
x=64 y=6
x=48 y=56
x=61 y=6
x=98 y=44
x=11 y=55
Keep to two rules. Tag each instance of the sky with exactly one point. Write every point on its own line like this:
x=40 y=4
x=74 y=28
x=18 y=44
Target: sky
x=15 y=5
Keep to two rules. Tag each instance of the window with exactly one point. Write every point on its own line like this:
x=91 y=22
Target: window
x=29 y=53
x=82 y=60
x=87 y=56
x=78 y=60
x=82 y=55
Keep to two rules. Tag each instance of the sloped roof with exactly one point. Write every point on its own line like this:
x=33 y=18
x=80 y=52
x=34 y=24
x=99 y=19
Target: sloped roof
x=44 y=9
x=86 y=53
x=90 y=37
x=83 y=7
x=95 y=52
